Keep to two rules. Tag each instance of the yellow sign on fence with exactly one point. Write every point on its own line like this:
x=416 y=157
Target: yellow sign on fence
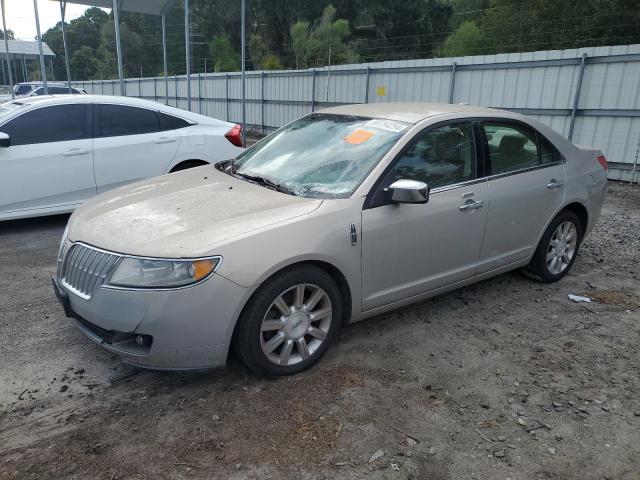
x=381 y=91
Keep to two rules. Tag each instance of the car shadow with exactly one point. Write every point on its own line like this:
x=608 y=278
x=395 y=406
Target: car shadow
x=33 y=225
x=428 y=311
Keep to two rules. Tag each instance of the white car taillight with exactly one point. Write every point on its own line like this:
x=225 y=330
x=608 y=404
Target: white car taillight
x=235 y=136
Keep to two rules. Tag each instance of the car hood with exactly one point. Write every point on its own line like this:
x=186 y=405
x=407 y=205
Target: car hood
x=185 y=214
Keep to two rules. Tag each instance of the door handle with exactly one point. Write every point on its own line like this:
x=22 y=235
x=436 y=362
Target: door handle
x=554 y=184
x=75 y=151
x=165 y=140
x=471 y=206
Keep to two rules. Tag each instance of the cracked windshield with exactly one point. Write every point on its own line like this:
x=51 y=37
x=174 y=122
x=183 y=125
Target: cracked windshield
x=320 y=155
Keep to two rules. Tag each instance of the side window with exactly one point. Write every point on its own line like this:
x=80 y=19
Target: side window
x=57 y=123
x=169 y=122
x=548 y=154
x=118 y=120
x=439 y=157
x=38 y=91
x=511 y=147
x=58 y=90
x=23 y=89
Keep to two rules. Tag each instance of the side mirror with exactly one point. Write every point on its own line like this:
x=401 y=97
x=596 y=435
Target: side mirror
x=5 y=140
x=409 y=191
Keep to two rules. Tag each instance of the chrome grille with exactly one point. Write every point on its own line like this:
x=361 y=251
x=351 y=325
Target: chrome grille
x=85 y=268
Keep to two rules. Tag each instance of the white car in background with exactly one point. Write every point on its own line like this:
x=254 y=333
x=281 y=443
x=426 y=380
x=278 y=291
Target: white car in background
x=58 y=151
x=31 y=89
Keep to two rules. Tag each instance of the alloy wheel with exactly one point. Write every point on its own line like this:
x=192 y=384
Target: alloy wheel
x=295 y=325
x=562 y=247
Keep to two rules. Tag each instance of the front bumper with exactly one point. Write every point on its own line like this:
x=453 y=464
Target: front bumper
x=183 y=329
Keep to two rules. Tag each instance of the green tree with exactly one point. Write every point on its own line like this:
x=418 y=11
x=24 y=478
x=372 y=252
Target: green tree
x=300 y=43
x=257 y=50
x=83 y=31
x=466 y=11
x=302 y=33
x=387 y=30
x=261 y=58
x=325 y=43
x=518 y=25
x=10 y=35
x=133 y=48
x=225 y=57
x=106 y=64
x=468 y=39
x=83 y=63
x=271 y=62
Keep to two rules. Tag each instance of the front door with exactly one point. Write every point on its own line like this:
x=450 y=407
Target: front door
x=50 y=161
x=409 y=249
x=526 y=186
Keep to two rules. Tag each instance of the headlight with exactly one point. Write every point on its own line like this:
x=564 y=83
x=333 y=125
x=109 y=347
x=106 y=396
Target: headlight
x=150 y=273
x=62 y=242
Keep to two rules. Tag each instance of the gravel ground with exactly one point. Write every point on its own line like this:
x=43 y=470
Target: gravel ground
x=505 y=379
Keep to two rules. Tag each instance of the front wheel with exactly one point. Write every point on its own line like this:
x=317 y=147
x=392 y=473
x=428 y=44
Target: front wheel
x=558 y=248
x=290 y=321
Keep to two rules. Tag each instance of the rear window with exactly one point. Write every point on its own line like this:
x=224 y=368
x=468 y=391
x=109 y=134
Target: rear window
x=169 y=122
x=60 y=90
x=511 y=147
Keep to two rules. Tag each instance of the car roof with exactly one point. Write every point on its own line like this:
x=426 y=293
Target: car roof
x=41 y=100
x=412 y=112
x=40 y=84
x=44 y=100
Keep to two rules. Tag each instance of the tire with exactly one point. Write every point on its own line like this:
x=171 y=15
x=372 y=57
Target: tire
x=188 y=164
x=265 y=332
x=549 y=271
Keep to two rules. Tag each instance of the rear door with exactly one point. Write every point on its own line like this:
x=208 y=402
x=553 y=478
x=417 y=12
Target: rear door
x=130 y=143
x=526 y=186
x=49 y=163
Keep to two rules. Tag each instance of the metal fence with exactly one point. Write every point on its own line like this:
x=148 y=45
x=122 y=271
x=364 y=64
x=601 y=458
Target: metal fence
x=590 y=95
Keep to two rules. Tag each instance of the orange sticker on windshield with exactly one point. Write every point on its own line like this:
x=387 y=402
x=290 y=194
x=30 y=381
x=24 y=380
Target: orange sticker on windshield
x=358 y=136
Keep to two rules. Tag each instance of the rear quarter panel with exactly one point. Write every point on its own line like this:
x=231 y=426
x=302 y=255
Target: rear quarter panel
x=586 y=179
x=204 y=142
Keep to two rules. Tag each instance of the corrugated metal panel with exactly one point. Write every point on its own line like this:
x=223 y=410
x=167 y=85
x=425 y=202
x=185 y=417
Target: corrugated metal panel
x=608 y=115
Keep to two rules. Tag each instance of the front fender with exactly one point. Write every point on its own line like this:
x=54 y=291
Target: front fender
x=321 y=236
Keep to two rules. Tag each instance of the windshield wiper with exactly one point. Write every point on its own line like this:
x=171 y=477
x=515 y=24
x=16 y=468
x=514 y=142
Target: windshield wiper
x=228 y=166
x=225 y=165
x=267 y=182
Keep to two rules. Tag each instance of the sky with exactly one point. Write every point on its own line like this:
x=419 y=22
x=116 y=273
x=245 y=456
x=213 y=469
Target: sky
x=21 y=19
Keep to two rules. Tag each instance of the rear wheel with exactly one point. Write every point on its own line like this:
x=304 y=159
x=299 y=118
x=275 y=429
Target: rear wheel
x=188 y=164
x=289 y=322
x=558 y=248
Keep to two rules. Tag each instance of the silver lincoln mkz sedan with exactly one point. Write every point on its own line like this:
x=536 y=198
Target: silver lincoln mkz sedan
x=338 y=216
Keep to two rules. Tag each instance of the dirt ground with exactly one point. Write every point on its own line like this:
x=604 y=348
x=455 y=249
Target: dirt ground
x=505 y=379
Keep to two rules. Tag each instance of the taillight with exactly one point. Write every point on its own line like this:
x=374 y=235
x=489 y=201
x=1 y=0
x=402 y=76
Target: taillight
x=602 y=161
x=235 y=136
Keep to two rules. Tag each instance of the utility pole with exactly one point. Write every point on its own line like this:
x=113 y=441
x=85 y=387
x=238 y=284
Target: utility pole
x=244 y=109
x=328 y=74
x=6 y=47
x=43 y=71
x=63 y=8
